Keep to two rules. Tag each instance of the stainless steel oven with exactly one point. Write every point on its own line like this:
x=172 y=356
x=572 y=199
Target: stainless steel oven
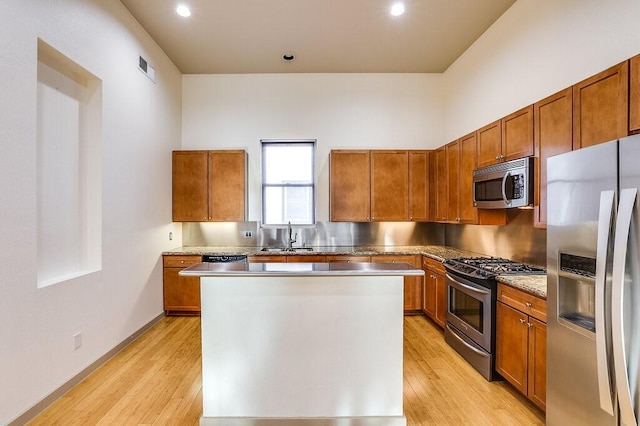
x=470 y=322
x=471 y=291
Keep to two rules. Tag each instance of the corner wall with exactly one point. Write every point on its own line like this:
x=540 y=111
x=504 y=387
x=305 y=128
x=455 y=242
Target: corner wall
x=537 y=48
x=141 y=125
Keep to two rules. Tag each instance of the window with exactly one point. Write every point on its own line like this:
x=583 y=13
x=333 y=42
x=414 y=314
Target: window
x=288 y=185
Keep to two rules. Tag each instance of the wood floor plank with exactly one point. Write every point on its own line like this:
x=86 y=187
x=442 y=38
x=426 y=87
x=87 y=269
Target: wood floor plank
x=157 y=380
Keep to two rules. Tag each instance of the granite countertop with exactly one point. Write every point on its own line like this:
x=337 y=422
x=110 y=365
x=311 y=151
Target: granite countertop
x=532 y=284
x=438 y=253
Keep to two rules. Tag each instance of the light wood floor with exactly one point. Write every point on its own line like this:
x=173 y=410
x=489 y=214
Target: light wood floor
x=157 y=381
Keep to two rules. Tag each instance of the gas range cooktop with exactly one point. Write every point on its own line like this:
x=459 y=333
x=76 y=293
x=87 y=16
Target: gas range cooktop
x=489 y=267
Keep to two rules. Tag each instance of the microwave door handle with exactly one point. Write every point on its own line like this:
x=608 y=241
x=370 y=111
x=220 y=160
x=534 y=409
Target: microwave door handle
x=621 y=367
x=603 y=325
x=504 y=188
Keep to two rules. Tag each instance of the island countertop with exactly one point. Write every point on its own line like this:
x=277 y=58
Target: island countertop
x=300 y=269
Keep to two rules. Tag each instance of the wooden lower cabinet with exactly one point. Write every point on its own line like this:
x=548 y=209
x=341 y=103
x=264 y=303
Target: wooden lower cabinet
x=521 y=343
x=412 y=285
x=181 y=294
x=434 y=298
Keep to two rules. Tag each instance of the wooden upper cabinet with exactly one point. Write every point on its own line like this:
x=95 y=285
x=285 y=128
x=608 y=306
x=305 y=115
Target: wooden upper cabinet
x=517 y=134
x=453 y=180
x=601 y=107
x=227 y=186
x=553 y=135
x=190 y=186
x=350 y=186
x=209 y=186
x=440 y=183
x=389 y=185
x=634 y=94
x=489 y=144
x=419 y=185
x=433 y=187
x=468 y=162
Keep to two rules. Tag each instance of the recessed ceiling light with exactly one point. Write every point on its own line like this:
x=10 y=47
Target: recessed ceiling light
x=288 y=57
x=397 y=9
x=183 y=11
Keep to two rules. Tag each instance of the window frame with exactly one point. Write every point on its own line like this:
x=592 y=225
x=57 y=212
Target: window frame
x=312 y=185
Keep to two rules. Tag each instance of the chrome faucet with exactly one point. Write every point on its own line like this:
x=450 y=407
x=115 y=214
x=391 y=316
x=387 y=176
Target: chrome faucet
x=290 y=240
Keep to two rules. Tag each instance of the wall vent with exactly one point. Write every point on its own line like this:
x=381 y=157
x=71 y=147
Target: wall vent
x=147 y=69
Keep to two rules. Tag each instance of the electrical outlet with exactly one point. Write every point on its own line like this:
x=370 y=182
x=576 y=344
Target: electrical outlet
x=247 y=234
x=170 y=236
x=77 y=340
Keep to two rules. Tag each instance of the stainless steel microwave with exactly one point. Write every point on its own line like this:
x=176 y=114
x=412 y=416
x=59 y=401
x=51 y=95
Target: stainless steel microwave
x=504 y=185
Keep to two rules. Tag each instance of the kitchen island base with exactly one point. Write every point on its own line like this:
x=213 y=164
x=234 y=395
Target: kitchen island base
x=315 y=348
x=342 y=421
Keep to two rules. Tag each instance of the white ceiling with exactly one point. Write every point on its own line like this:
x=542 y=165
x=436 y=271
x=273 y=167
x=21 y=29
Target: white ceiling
x=251 y=36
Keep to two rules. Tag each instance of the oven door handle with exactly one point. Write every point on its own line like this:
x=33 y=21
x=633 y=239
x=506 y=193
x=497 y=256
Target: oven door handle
x=461 y=340
x=467 y=287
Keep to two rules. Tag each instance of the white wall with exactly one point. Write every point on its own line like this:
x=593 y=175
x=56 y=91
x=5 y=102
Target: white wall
x=535 y=49
x=141 y=125
x=341 y=111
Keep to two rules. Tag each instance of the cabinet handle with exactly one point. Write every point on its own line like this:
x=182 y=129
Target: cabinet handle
x=528 y=304
x=522 y=321
x=529 y=325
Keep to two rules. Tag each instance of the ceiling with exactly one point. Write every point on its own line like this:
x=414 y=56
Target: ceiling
x=326 y=36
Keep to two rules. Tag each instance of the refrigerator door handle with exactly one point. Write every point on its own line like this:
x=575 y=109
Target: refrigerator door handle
x=623 y=229
x=603 y=326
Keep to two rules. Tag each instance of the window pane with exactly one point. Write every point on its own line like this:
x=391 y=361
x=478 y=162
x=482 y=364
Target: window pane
x=288 y=163
x=285 y=204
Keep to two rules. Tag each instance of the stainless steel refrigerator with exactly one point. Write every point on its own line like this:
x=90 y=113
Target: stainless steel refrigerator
x=593 y=287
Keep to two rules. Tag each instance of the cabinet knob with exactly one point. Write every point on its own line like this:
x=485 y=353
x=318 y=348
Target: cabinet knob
x=529 y=325
x=522 y=320
x=528 y=304
x=497 y=157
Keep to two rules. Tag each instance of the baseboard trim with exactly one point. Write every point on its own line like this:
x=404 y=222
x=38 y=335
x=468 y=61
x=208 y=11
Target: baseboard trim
x=39 y=407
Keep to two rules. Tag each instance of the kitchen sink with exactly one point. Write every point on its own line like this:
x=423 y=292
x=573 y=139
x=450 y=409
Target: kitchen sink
x=285 y=249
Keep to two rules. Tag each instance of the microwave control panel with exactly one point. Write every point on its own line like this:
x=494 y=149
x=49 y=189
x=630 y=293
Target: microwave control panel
x=518 y=186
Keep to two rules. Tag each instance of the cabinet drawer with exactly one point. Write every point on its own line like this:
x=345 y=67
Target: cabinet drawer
x=180 y=261
x=434 y=265
x=348 y=258
x=523 y=302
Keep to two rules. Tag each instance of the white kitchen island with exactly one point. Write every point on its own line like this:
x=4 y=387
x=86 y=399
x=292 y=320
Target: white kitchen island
x=302 y=343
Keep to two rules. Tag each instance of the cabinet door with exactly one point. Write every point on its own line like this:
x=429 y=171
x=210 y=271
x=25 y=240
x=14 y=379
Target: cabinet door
x=419 y=185
x=181 y=294
x=433 y=187
x=511 y=345
x=227 y=186
x=517 y=134
x=389 y=186
x=553 y=123
x=600 y=107
x=489 y=144
x=466 y=211
x=537 y=380
x=634 y=94
x=441 y=299
x=429 y=294
x=190 y=186
x=453 y=181
x=350 y=186
x=441 y=184
x=412 y=285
